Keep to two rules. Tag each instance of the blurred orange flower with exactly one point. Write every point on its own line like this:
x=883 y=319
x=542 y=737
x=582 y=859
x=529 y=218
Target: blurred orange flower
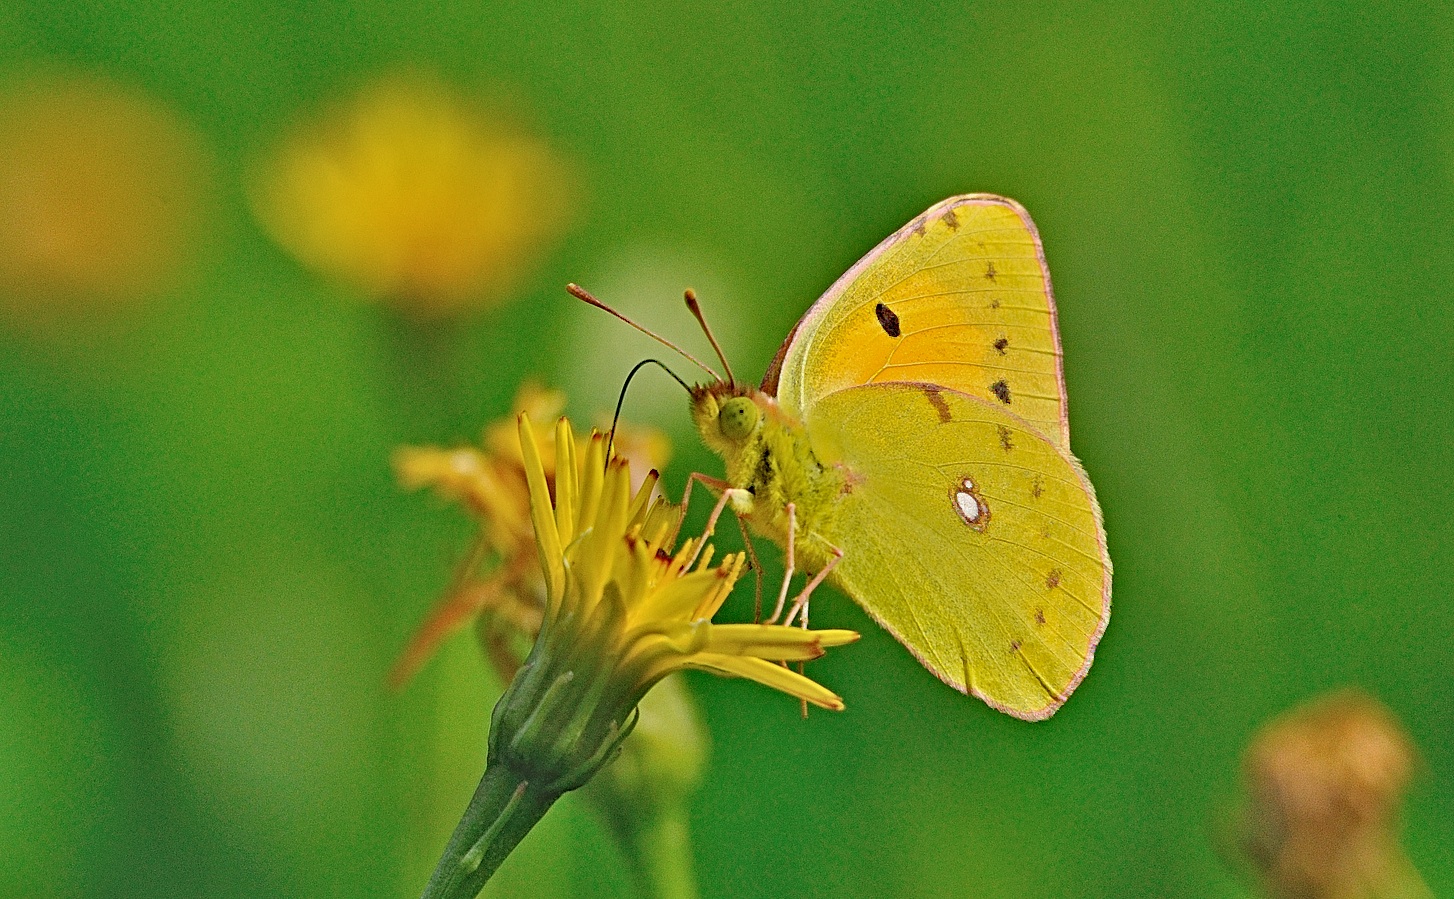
x=415 y=196
x=101 y=197
x=1326 y=783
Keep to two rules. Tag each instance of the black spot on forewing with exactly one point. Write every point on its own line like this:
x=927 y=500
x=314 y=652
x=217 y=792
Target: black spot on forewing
x=989 y=272
x=1039 y=616
x=1007 y=441
x=951 y=219
x=1052 y=580
x=937 y=401
x=887 y=320
x=1037 y=487
x=1001 y=390
x=1002 y=344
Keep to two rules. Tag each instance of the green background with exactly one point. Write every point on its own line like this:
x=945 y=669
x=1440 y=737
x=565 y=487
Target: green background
x=205 y=567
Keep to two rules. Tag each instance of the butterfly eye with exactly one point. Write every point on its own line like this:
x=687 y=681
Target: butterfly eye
x=737 y=418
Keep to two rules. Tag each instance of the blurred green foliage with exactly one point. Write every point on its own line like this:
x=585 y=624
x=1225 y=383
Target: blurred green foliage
x=206 y=569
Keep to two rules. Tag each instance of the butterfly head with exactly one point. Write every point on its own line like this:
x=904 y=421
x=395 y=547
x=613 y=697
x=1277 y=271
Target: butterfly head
x=728 y=416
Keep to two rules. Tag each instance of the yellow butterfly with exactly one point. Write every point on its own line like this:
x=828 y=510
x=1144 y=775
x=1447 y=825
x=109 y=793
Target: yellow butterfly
x=910 y=444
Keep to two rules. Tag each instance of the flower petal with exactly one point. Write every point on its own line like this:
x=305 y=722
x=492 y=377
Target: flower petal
x=663 y=520
x=594 y=555
x=834 y=637
x=765 y=641
x=567 y=496
x=677 y=599
x=641 y=502
x=592 y=474
x=769 y=675
x=547 y=538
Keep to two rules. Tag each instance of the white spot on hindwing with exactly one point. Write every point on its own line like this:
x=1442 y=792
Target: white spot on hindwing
x=969 y=505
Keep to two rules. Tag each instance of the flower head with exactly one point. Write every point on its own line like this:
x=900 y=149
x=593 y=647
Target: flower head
x=623 y=610
x=500 y=578
x=615 y=592
x=414 y=196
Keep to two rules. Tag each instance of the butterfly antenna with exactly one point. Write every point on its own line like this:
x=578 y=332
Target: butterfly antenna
x=692 y=304
x=584 y=296
x=611 y=440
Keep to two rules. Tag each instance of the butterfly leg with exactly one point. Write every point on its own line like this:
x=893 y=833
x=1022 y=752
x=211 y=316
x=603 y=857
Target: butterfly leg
x=707 y=481
x=743 y=499
x=800 y=603
x=789 y=565
x=756 y=569
x=740 y=499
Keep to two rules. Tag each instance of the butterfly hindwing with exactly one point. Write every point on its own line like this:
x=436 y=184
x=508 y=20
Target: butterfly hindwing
x=972 y=537
x=959 y=297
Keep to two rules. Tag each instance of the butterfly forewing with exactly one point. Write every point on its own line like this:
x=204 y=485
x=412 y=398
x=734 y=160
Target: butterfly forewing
x=971 y=537
x=959 y=297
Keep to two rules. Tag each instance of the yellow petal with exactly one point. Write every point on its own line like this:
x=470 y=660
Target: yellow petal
x=565 y=482
x=633 y=568
x=730 y=569
x=769 y=674
x=640 y=502
x=830 y=638
x=593 y=557
x=662 y=522
x=592 y=474
x=678 y=598
x=547 y=538
x=764 y=641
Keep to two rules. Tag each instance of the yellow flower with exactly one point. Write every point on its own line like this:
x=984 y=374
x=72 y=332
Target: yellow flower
x=415 y=196
x=500 y=578
x=642 y=797
x=616 y=592
x=622 y=611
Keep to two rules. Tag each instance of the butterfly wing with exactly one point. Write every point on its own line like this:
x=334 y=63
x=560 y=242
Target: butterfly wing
x=959 y=297
x=971 y=537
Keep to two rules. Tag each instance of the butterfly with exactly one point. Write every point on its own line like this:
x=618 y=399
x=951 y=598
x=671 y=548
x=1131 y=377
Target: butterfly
x=910 y=445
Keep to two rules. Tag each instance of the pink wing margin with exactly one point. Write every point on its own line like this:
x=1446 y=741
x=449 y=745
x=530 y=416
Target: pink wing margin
x=1095 y=638
x=807 y=324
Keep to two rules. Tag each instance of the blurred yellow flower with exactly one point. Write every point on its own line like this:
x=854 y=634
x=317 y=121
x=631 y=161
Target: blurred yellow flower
x=415 y=196
x=500 y=578
x=102 y=195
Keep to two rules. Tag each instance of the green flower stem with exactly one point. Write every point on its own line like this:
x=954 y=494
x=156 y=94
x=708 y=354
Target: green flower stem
x=549 y=734
x=664 y=857
x=504 y=808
